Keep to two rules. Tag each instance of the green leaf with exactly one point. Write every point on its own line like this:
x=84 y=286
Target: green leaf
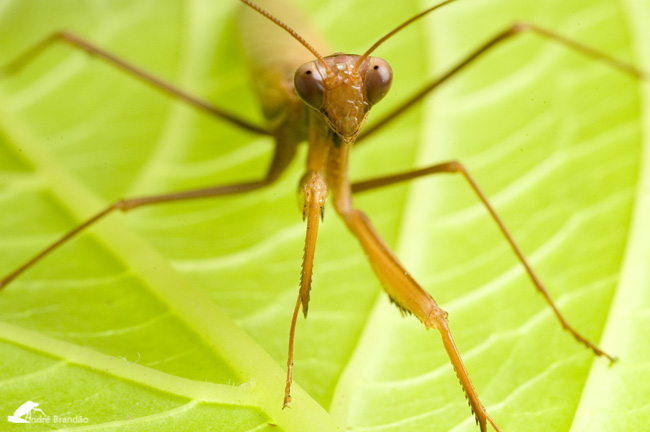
x=176 y=317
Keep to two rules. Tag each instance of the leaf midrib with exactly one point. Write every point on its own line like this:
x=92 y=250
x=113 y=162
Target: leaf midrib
x=219 y=332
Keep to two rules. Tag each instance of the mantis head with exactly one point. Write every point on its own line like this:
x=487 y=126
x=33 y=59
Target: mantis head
x=343 y=87
x=343 y=92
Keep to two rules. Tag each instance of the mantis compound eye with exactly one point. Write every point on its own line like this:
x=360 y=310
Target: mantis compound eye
x=308 y=82
x=379 y=77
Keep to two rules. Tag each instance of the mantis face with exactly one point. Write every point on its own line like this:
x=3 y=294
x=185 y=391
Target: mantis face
x=342 y=90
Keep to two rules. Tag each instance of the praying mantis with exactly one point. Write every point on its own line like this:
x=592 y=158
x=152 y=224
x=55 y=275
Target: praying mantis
x=371 y=215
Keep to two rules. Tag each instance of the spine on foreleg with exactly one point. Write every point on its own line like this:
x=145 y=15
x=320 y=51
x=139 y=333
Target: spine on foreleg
x=409 y=297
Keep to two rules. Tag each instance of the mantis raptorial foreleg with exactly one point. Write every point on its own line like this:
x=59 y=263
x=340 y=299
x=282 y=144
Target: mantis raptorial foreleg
x=313 y=192
x=457 y=167
x=513 y=30
x=284 y=152
x=80 y=43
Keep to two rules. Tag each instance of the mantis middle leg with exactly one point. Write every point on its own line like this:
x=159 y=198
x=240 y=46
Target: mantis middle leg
x=284 y=152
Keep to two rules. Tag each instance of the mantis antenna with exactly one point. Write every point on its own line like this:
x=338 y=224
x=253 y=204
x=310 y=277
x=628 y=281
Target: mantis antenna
x=291 y=31
x=395 y=30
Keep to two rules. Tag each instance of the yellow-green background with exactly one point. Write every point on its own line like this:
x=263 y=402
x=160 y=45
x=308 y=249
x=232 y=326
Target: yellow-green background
x=176 y=317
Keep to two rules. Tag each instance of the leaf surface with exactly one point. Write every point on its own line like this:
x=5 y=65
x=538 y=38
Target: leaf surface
x=176 y=317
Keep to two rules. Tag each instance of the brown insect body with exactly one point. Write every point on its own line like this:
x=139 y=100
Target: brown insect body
x=337 y=91
x=326 y=102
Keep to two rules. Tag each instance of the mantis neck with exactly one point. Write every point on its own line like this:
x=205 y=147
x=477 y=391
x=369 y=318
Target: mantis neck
x=328 y=155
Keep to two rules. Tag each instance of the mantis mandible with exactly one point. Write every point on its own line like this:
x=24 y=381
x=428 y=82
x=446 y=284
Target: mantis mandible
x=331 y=138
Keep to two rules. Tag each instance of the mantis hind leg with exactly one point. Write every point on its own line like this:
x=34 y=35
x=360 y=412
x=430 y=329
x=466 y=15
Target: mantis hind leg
x=457 y=167
x=505 y=35
x=80 y=43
